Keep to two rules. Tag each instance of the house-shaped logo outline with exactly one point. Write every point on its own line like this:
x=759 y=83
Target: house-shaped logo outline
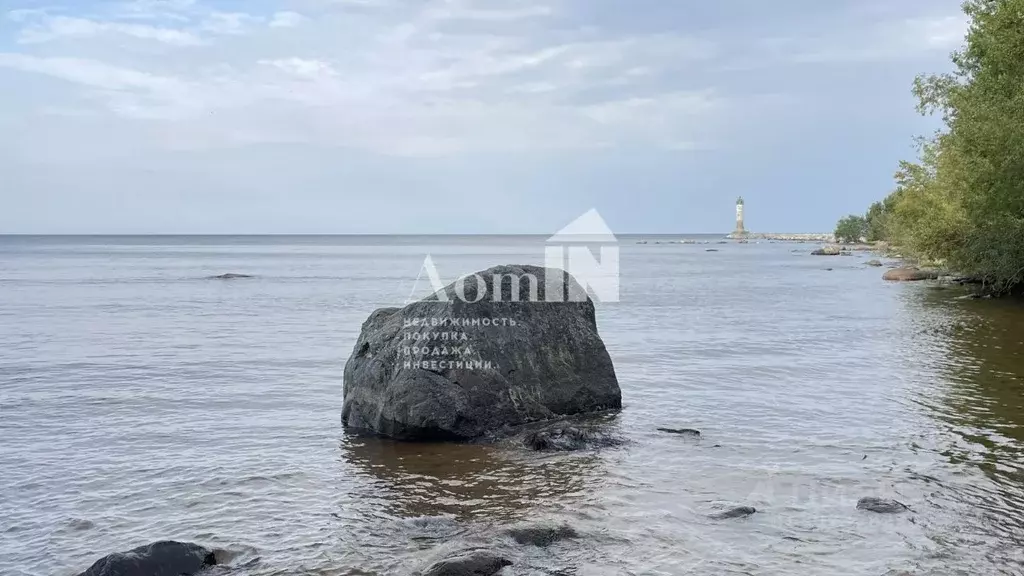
x=589 y=228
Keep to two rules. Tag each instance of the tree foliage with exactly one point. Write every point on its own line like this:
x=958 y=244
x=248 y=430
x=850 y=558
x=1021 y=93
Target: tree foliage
x=851 y=228
x=962 y=200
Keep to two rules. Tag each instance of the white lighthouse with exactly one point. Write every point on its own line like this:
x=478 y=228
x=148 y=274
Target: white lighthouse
x=740 y=230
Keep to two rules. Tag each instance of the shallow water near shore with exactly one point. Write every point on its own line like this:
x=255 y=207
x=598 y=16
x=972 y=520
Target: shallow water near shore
x=141 y=400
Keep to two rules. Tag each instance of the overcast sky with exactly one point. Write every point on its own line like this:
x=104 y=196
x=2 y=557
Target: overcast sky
x=456 y=116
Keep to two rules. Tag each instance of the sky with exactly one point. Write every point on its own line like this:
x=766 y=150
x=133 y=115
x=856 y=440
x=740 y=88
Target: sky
x=457 y=116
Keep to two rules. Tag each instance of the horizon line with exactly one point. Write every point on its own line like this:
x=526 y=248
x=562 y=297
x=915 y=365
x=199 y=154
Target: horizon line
x=352 y=234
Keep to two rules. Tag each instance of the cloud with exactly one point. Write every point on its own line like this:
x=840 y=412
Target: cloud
x=286 y=20
x=229 y=22
x=64 y=27
x=302 y=68
x=25 y=14
x=941 y=33
x=90 y=73
x=431 y=77
x=459 y=11
x=887 y=40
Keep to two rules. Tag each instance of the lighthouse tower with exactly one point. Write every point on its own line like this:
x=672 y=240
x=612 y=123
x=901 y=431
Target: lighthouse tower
x=740 y=230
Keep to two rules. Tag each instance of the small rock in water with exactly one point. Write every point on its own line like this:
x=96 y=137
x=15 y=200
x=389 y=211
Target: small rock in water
x=881 y=505
x=541 y=536
x=473 y=564
x=569 y=438
x=875 y=263
x=827 y=251
x=230 y=276
x=166 y=558
x=80 y=524
x=685 y=431
x=712 y=250
x=738 y=512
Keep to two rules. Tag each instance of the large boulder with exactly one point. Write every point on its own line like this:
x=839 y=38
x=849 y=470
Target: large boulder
x=166 y=558
x=501 y=348
x=909 y=275
x=830 y=250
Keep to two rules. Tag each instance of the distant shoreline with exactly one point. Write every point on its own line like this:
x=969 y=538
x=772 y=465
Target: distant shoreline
x=784 y=237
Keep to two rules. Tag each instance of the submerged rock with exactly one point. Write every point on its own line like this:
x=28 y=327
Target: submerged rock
x=540 y=535
x=881 y=505
x=166 y=558
x=504 y=347
x=230 y=276
x=875 y=263
x=909 y=275
x=568 y=438
x=472 y=564
x=737 y=512
x=682 y=431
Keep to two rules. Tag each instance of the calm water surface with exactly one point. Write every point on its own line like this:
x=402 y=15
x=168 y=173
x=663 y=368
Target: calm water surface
x=140 y=401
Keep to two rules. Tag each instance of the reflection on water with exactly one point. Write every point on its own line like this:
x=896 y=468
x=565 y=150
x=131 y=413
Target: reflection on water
x=466 y=481
x=982 y=404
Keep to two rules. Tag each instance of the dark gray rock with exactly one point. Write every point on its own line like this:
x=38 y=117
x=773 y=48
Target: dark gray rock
x=166 y=558
x=568 y=438
x=737 y=512
x=875 y=263
x=540 y=535
x=493 y=353
x=230 y=276
x=472 y=564
x=881 y=505
x=681 y=431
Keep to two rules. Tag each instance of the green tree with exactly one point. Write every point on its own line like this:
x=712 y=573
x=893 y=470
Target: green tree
x=963 y=200
x=877 y=220
x=851 y=228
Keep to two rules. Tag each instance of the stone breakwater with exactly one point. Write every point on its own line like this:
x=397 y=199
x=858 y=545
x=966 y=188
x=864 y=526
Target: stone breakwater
x=829 y=238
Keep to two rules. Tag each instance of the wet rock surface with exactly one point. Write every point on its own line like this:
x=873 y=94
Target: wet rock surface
x=479 y=563
x=909 y=275
x=541 y=535
x=681 y=431
x=165 y=558
x=507 y=346
x=569 y=437
x=737 y=512
x=881 y=505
